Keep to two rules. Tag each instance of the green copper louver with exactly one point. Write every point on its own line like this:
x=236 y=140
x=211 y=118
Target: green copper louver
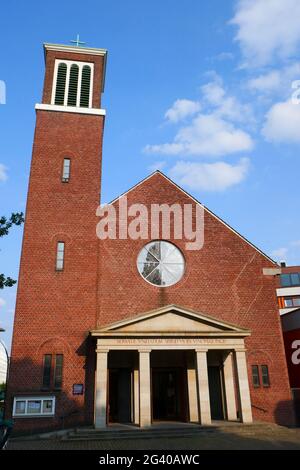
x=85 y=86
x=60 y=84
x=73 y=84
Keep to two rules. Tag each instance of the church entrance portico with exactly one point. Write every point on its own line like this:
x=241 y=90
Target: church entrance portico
x=171 y=364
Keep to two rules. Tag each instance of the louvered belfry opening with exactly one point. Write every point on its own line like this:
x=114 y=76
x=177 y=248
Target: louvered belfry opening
x=60 y=84
x=73 y=85
x=85 y=86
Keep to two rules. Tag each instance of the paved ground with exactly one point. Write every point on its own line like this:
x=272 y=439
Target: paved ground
x=235 y=437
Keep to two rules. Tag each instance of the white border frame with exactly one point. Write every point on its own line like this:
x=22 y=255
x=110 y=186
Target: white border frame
x=69 y=63
x=70 y=109
x=32 y=415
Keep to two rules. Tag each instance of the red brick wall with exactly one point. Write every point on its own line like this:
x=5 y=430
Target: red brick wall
x=224 y=279
x=98 y=62
x=55 y=310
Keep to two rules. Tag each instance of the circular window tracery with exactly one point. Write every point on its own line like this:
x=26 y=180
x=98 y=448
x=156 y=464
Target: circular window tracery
x=161 y=263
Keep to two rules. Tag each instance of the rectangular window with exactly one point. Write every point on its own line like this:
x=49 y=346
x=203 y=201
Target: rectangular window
x=295 y=281
x=60 y=253
x=47 y=407
x=265 y=376
x=58 y=371
x=255 y=376
x=47 y=371
x=66 y=170
x=289 y=280
x=20 y=407
x=285 y=280
x=292 y=302
x=34 y=406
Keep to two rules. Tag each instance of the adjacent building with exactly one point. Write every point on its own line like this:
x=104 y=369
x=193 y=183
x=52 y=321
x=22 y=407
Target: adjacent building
x=288 y=295
x=3 y=363
x=288 y=289
x=132 y=329
x=291 y=333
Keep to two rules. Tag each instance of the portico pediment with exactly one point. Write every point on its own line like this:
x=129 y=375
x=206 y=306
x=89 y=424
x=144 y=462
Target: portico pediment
x=171 y=320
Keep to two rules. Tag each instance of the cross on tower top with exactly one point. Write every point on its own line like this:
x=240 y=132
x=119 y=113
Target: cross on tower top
x=77 y=42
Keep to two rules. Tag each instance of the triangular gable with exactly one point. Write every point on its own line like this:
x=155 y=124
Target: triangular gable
x=197 y=202
x=171 y=320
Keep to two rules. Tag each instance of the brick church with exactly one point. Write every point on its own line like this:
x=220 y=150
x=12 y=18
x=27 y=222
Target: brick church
x=131 y=330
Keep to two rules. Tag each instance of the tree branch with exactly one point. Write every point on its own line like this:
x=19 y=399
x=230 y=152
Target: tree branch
x=16 y=218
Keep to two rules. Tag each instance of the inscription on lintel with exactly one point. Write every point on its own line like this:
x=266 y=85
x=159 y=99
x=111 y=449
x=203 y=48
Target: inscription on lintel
x=169 y=341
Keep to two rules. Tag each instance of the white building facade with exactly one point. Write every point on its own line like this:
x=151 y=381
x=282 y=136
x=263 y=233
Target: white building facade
x=3 y=364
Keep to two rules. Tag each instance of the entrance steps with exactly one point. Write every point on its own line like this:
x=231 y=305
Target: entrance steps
x=132 y=432
x=154 y=432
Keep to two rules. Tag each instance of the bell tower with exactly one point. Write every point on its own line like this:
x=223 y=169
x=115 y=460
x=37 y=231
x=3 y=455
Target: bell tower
x=74 y=78
x=57 y=290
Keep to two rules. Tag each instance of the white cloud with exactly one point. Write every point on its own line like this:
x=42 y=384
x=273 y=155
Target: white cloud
x=225 y=56
x=3 y=172
x=267 y=29
x=165 y=149
x=216 y=176
x=210 y=133
x=289 y=253
x=157 y=166
x=2 y=302
x=276 y=80
x=267 y=82
x=225 y=105
x=280 y=254
x=233 y=110
x=213 y=92
x=282 y=123
x=207 y=135
x=214 y=130
x=182 y=109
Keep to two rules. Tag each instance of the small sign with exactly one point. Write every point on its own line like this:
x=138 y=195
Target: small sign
x=77 y=389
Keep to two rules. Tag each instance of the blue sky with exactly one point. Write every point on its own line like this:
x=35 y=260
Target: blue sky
x=201 y=90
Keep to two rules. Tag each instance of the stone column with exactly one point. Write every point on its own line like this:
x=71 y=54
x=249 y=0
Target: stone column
x=101 y=388
x=136 y=397
x=192 y=388
x=229 y=388
x=145 y=387
x=244 y=392
x=203 y=390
